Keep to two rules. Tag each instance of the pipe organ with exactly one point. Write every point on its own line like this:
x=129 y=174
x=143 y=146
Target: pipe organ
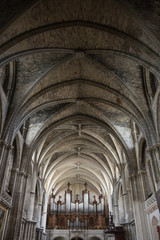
x=68 y=214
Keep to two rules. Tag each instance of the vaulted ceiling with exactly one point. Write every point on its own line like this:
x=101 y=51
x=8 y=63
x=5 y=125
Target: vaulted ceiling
x=79 y=69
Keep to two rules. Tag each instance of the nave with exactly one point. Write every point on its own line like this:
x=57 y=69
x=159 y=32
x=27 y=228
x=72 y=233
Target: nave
x=80 y=120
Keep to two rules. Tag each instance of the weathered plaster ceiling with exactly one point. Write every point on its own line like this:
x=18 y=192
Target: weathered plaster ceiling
x=79 y=84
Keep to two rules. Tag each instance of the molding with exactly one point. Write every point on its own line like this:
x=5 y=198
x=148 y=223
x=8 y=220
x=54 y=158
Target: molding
x=151 y=208
x=151 y=205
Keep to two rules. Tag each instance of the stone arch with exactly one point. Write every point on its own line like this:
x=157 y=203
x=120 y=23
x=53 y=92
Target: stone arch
x=80 y=77
x=154 y=228
x=17 y=119
x=63 y=25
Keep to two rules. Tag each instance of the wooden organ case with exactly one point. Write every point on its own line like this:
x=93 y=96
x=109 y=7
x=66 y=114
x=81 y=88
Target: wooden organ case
x=76 y=215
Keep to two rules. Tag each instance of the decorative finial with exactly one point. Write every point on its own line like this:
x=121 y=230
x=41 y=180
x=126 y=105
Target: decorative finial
x=94 y=197
x=85 y=186
x=69 y=185
x=77 y=196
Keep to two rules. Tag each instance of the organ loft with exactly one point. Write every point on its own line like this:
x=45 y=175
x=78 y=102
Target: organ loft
x=80 y=212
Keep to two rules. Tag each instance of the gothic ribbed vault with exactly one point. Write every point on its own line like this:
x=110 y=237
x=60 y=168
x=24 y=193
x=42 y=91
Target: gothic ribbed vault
x=79 y=79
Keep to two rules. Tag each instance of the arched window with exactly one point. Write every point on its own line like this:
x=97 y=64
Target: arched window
x=154 y=228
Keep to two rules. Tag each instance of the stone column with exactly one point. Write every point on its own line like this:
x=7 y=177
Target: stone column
x=35 y=212
x=32 y=197
x=110 y=207
x=115 y=206
x=3 y=145
x=130 y=207
x=39 y=215
x=144 y=182
x=125 y=198
x=44 y=213
x=154 y=153
x=13 y=229
x=138 y=207
x=116 y=214
x=9 y=169
x=25 y=234
x=4 y=164
x=40 y=208
x=158 y=230
x=126 y=206
x=12 y=183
